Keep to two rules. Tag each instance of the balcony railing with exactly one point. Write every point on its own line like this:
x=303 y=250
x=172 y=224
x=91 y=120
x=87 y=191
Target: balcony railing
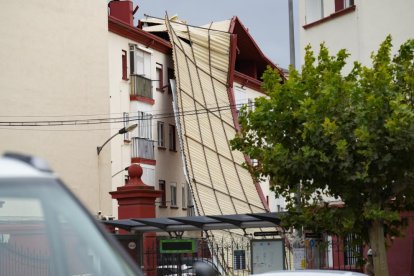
x=141 y=86
x=143 y=148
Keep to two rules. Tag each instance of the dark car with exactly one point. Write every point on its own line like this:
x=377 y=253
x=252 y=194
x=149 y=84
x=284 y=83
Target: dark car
x=45 y=230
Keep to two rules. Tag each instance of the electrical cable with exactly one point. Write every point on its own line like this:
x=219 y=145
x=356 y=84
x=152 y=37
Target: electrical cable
x=94 y=121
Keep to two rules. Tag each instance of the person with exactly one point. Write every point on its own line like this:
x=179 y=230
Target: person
x=369 y=266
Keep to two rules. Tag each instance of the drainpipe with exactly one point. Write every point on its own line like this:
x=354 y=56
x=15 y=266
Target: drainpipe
x=291 y=35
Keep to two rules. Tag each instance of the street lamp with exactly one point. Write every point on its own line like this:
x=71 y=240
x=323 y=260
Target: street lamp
x=121 y=131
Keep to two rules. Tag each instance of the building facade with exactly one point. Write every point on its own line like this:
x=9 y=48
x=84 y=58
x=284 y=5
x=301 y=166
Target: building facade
x=359 y=26
x=356 y=25
x=139 y=59
x=54 y=83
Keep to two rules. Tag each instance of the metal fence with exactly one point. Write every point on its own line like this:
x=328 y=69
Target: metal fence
x=143 y=148
x=234 y=259
x=141 y=86
x=16 y=260
x=334 y=253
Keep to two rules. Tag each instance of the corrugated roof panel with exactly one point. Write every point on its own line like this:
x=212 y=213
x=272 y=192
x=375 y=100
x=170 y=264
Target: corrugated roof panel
x=210 y=205
x=226 y=203
x=219 y=184
x=223 y=26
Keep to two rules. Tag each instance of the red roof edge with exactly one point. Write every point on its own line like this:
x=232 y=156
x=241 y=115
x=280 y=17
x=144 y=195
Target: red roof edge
x=138 y=35
x=235 y=20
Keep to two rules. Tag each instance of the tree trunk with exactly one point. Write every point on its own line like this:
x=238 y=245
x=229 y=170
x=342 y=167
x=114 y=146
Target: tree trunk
x=377 y=240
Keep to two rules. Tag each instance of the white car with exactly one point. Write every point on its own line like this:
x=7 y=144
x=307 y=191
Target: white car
x=311 y=273
x=45 y=230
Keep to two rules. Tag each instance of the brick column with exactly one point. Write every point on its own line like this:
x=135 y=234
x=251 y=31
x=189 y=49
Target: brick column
x=137 y=200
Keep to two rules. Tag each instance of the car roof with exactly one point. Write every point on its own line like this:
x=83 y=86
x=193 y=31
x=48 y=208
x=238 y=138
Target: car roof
x=311 y=272
x=14 y=168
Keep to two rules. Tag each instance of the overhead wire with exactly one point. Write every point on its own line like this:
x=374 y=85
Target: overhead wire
x=95 y=121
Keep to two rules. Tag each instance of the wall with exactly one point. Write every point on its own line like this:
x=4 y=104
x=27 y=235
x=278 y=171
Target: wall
x=360 y=31
x=53 y=64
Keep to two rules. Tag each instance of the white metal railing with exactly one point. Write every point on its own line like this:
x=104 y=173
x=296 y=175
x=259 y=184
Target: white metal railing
x=143 y=148
x=141 y=86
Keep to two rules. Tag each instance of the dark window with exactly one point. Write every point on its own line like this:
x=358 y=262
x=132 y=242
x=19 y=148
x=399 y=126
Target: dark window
x=239 y=259
x=124 y=65
x=183 y=197
x=161 y=184
x=173 y=189
x=172 y=140
x=170 y=73
x=131 y=59
x=352 y=249
x=160 y=134
x=160 y=78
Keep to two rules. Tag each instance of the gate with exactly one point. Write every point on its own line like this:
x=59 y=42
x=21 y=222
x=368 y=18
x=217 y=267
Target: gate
x=16 y=260
x=234 y=258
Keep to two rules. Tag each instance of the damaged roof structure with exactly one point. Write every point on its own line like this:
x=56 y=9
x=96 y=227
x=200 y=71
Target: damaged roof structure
x=207 y=60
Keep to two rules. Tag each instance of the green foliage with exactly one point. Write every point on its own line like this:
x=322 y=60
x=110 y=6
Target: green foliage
x=348 y=137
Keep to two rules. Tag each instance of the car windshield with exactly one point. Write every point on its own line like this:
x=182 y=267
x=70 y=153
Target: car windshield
x=44 y=231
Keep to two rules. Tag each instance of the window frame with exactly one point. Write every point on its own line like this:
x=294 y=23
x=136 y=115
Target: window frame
x=161 y=134
x=126 y=124
x=343 y=4
x=159 y=69
x=173 y=195
x=162 y=188
x=170 y=75
x=144 y=125
x=124 y=65
x=183 y=197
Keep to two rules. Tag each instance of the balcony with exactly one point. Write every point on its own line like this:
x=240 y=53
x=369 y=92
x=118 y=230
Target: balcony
x=143 y=151
x=141 y=89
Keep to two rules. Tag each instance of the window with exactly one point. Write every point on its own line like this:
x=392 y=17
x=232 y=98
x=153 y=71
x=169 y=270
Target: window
x=139 y=61
x=124 y=65
x=314 y=10
x=160 y=134
x=144 y=125
x=239 y=259
x=343 y=4
x=173 y=190
x=161 y=184
x=250 y=104
x=189 y=197
x=160 y=78
x=126 y=124
x=172 y=140
x=183 y=197
x=352 y=249
x=170 y=76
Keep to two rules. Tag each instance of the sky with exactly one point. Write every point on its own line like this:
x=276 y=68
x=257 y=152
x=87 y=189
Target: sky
x=267 y=20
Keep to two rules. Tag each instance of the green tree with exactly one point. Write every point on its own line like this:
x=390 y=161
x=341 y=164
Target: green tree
x=348 y=137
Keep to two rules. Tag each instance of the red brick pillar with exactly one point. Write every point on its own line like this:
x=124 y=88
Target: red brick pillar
x=137 y=200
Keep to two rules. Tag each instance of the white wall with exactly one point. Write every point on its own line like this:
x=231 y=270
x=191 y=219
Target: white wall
x=361 y=31
x=53 y=64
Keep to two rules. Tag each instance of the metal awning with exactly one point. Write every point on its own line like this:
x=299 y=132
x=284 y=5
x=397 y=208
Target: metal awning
x=197 y=223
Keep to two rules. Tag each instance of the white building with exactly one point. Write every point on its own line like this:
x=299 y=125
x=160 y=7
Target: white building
x=356 y=25
x=53 y=82
x=140 y=66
